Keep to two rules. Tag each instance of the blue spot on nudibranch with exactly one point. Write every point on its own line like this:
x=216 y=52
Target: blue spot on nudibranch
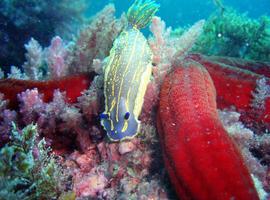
x=103 y=116
x=127 y=115
x=125 y=127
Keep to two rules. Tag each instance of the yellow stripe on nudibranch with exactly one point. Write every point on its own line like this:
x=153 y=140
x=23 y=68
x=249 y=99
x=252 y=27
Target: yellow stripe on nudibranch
x=142 y=89
x=125 y=126
x=127 y=74
x=114 y=70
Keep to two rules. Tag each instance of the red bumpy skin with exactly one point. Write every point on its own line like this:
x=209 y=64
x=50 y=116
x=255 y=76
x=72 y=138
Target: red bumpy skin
x=235 y=83
x=202 y=160
x=72 y=85
x=262 y=68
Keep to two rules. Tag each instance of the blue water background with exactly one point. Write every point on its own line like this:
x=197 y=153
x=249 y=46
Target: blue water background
x=185 y=12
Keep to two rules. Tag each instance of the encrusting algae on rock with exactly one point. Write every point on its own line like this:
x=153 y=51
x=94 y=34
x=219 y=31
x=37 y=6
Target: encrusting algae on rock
x=127 y=74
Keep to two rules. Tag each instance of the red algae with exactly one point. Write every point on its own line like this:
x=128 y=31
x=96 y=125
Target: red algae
x=202 y=160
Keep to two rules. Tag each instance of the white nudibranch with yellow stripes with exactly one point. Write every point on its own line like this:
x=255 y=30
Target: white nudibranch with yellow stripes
x=127 y=74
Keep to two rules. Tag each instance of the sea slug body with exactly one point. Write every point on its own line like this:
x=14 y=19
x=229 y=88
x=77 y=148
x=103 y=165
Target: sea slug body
x=202 y=160
x=127 y=74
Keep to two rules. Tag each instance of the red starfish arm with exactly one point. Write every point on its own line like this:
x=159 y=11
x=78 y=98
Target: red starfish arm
x=72 y=85
x=235 y=87
x=202 y=160
x=262 y=68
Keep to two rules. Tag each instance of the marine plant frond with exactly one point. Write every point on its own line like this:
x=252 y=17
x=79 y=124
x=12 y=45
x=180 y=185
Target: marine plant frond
x=28 y=169
x=141 y=12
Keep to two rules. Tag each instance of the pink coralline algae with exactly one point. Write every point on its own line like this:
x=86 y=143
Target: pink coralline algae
x=65 y=102
x=34 y=60
x=57 y=58
x=95 y=40
x=107 y=169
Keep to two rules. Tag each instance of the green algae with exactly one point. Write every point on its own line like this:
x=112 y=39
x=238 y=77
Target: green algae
x=28 y=170
x=235 y=34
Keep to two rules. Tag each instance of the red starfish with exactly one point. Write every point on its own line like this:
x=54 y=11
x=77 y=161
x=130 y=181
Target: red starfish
x=202 y=160
x=235 y=81
x=72 y=85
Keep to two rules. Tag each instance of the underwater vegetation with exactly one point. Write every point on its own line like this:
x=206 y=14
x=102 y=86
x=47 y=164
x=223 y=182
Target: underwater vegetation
x=234 y=34
x=28 y=170
x=203 y=119
x=42 y=20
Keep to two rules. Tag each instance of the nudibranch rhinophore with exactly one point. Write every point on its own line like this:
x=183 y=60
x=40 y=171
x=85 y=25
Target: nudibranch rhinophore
x=127 y=74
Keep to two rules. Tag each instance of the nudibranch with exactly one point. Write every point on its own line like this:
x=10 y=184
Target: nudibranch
x=127 y=74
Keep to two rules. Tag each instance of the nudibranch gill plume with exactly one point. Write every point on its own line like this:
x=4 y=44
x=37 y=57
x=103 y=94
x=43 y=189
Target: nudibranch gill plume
x=127 y=74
